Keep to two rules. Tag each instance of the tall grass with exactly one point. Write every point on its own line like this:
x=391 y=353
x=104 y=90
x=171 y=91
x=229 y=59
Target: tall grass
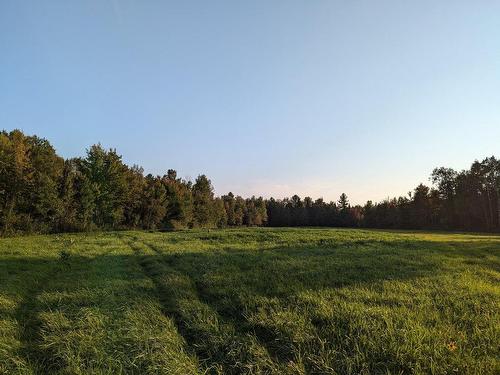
x=250 y=301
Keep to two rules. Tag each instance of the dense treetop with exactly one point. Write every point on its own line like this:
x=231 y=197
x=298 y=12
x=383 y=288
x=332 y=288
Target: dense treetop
x=42 y=192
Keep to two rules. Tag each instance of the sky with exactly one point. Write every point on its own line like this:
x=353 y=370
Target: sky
x=265 y=97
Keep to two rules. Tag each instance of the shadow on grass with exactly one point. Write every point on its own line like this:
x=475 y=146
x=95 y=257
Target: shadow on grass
x=280 y=271
x=226 y=279
x=27 y=279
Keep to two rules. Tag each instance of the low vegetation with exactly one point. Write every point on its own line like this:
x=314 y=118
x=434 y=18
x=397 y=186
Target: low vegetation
x=250 y=301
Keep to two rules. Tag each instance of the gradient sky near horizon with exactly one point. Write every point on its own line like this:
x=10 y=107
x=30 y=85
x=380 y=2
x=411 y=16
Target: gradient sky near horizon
x=268 y=98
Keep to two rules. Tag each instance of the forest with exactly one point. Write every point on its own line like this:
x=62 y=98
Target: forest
x=41 y=192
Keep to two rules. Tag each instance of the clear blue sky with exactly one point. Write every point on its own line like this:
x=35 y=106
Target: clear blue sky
x=265 y=97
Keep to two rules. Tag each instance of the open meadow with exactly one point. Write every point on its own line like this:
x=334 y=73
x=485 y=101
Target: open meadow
x=250 y=301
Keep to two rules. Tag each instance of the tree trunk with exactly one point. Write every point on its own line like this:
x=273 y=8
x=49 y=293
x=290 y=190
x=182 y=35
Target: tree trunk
x=490 y=210
x=498 y=207
x=8 y=215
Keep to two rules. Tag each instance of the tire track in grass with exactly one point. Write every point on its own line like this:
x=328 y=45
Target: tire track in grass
x=29 y=330
x=27 y=315
x=266 y=337
x=278 y=345
x=150 y=269
x=219 y=347
x=102 y=317
x=280 y=351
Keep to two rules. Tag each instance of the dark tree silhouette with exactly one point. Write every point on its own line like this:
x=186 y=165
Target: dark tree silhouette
x=41 y=192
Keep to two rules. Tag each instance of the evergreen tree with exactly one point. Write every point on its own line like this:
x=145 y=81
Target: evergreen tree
x=41 y=192
x=153 y=202
x=203 y=196
x=179 y=201
x=239 y=210
x=106 y=175
x=136 y=185
x=219 y=212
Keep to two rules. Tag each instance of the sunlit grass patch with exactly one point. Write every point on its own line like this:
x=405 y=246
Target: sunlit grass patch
x=250 y=301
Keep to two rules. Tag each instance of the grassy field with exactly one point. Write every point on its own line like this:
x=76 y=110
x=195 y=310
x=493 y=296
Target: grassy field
x=250 y=301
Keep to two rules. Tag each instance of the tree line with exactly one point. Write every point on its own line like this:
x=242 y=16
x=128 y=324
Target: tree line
x=40 y=192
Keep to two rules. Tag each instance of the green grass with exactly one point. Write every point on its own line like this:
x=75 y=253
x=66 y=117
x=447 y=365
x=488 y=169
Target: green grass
x=250 y=301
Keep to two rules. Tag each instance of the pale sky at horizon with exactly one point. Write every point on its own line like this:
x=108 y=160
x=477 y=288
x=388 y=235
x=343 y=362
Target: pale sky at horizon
x=266 y=98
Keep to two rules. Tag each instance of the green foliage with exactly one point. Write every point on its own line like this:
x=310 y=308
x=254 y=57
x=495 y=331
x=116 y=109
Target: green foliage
x=29 y=174
x=106 y=175
x=203 y=195
x=153 y=203
x=466 y=200
x=64 y=256
x=250 y=301
x=179 y=201
x=43 y=193
x=219 y=213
